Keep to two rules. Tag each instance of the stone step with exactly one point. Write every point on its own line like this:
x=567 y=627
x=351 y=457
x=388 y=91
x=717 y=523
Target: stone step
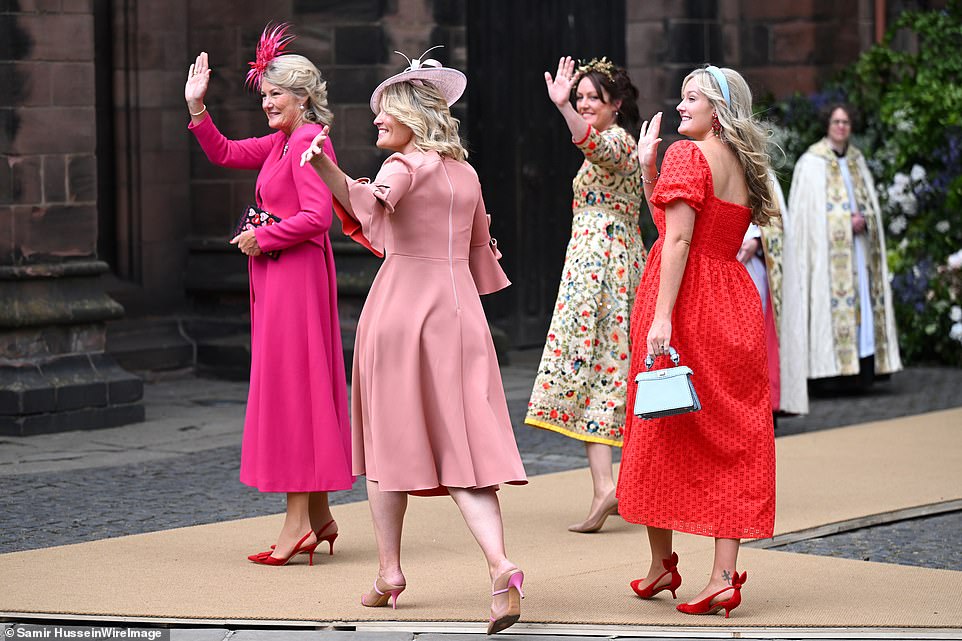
x=69 y=392
x=150 y=344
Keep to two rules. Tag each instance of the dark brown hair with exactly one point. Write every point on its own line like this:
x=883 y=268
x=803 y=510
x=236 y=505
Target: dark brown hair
x=618 y=87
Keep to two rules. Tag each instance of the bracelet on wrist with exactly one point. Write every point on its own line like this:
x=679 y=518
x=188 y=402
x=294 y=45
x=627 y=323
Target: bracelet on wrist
x=650 y=181
x=198 y=113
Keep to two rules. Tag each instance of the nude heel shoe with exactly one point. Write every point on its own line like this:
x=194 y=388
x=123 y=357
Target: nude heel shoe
x=595 y=521
x=502 y=619
x=381 y=593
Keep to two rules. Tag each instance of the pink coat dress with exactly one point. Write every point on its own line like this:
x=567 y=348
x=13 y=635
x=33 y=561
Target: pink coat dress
x=296 y=433
x=428 y=409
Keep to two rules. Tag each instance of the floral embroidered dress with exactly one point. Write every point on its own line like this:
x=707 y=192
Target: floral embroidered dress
x=582 y=379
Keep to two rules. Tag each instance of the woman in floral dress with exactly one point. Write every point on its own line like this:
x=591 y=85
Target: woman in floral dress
x=580 y=387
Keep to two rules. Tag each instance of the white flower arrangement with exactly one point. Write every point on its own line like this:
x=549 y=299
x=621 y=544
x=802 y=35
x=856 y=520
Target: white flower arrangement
x=955 y=314
x=897 y=225
x=943 y=226
x=956 y=332
x=917 y=174
x=903 y=121
x=900 y=201
x=955 y=260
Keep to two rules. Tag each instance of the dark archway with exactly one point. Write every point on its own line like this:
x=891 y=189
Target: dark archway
x=521 y=146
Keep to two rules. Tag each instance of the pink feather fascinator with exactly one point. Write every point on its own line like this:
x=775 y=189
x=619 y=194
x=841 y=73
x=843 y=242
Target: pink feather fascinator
x=270 y=46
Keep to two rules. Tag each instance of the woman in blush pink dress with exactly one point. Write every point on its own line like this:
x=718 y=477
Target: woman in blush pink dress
x=428 y=408
x=296 y=433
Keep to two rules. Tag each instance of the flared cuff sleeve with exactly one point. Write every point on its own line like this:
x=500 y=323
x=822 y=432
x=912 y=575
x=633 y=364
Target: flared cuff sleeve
x=684 y=176
x=363 y=219
x=366 y=226
x=484 y=255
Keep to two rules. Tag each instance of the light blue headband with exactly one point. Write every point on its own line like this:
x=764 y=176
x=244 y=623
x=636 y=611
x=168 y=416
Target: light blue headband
x=722 y=82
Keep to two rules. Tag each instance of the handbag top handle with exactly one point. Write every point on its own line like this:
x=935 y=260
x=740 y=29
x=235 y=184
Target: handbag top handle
x=675 y=358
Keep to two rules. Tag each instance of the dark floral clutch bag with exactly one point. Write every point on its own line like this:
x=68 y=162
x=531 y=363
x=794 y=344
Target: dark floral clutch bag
x=252 y=218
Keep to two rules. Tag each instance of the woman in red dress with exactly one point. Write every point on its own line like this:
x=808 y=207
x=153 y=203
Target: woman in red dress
x=711 y=472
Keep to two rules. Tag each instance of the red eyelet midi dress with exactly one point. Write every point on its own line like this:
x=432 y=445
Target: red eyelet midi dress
x=710 y=472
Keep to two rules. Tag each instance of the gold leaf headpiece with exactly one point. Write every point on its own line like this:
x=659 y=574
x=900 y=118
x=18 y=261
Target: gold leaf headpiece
x=603 y=66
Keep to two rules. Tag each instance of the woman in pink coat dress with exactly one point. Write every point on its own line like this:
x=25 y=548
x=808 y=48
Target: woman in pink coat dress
x=429 y=414
x=296 y=432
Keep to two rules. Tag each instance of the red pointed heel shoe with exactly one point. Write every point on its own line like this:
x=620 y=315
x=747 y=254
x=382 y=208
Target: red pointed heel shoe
x=267 y=558
x=330 y=538
x=381 y=594
x=705 y=606
x=671 y=567
x=504 y=616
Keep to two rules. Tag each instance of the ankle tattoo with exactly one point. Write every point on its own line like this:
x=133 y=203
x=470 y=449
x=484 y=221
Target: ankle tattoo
x=727 y=577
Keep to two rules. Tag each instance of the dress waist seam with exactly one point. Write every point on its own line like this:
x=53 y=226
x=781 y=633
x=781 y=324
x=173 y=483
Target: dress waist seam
x=442 y=259
x=621 y=213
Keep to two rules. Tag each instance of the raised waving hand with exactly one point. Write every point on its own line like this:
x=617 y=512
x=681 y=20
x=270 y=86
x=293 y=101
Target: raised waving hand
x=559 y=87
x=198 y=77
x=648 y=141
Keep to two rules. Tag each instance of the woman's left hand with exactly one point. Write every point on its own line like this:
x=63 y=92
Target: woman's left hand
x=749 y=248
x=648 y=141
x=247 y=243
x=659 y=337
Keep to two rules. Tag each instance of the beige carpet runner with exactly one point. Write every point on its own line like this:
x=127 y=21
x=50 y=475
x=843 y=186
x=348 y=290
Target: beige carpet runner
x=201 y=573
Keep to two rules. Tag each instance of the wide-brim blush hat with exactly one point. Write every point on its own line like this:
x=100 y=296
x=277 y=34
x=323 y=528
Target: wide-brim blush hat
x=449 y=82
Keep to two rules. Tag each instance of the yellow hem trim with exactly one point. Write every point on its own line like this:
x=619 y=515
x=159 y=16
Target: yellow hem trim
x=581 y=437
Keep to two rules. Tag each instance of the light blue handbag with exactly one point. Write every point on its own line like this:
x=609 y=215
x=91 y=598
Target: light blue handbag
x=665 y=392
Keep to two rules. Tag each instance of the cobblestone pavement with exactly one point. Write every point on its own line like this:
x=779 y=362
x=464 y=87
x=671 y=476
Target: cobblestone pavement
x=927 y=542
x=180 y=468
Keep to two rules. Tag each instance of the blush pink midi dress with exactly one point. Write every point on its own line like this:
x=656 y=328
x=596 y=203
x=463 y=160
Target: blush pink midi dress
x=297 y=430
x=428 y=409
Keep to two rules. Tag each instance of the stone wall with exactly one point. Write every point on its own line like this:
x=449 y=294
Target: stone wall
x=781 y=46
x=53 y=371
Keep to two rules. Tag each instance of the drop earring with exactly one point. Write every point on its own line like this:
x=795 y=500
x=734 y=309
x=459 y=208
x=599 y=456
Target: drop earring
x=715 y=124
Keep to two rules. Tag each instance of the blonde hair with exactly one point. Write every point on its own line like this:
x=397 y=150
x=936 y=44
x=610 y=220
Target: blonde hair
x=744 y=135
x=298 y=75
x=423 y=109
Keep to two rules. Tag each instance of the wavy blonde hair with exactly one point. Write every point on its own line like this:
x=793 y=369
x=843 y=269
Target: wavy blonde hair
x=298 y=75
x=744 y=135
x=423 y=109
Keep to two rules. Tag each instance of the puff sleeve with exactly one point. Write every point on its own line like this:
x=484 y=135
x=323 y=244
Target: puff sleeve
x=684 y=176
x=363 y=218
x=484 y=255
